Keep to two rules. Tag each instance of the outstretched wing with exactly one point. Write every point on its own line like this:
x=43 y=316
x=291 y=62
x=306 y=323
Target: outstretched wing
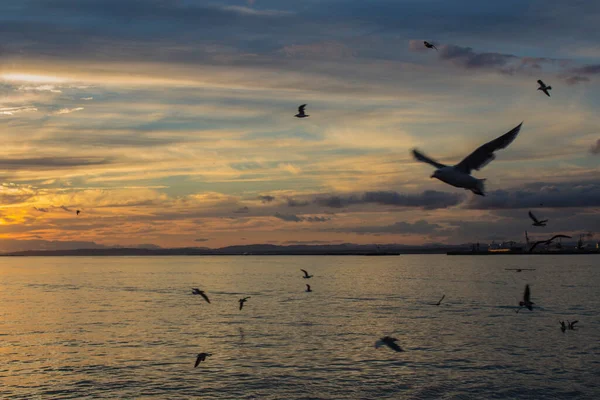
x=541 y=83
x=533 y=217
x=440 y=302
x=573 y=324
x=198 y=359
x=205 y=297
x=558 y=236
x=422 y=157
x=301 y=108
x=484 y=154
x=305 y=273
x=393 y=346
x=527 y=294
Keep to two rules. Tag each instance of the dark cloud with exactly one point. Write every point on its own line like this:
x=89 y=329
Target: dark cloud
x=581 y=74
x=266 y=198
x=42 y=163
x=201 y=240
x=41 y=209
x=595 y=149
x=556 y=195
x=66 y=208
x=242 y=210
x=428 y=200
x=295 y=218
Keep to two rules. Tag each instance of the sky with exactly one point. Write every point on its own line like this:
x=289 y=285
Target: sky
x=171 y=122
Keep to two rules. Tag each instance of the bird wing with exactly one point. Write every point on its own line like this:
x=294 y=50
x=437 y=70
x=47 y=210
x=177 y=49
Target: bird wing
x=527 y=294
x=541 y=83
x=533 y=217
x=440 y=302
x=422 y=157
x=393 y=346
x=305 y=273
x=301 y=108
x=573 y=323
x=198 y=359
x=241 y=304
x=485 y=153
x=547 y=93
x=558 y=236
x=205 y=297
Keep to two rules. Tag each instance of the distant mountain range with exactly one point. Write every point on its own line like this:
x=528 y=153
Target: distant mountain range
x=252 y=249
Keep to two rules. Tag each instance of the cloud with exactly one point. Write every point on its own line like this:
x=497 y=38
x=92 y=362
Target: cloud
x=581 y=74
x=40 y=88
x=296 y=203
x=295 y=218
x=16 y=110
x=556 y=195
x=66 y=208
x=242 y=210
x=41 y=209
x=87 y=98
x=45 y=163
x=595 y=149
x=67 y=110
x=428 y=200
x=266 y=198
x=201 y=240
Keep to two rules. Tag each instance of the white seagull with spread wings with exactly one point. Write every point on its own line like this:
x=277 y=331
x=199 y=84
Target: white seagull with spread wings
x=459 y=175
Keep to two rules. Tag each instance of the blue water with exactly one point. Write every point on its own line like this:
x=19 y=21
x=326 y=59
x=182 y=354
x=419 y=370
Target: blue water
x=128 y=327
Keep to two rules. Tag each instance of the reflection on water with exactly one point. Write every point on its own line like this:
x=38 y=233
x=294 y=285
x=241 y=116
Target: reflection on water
x=129 y=327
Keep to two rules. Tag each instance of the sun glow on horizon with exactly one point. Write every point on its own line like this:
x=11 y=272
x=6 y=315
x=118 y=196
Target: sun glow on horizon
x=32 y=78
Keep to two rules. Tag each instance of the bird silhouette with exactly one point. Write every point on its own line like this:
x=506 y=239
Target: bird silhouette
x=389 y=342
x=308 y=289
x=429 y=45
x=242 y=301
x=526 y=302
x=201 y=357
x=301 y=113
x=306 y=275
x=537 y=222
x=533 y=246
x=544 y=88
x=77 y=212
x=459 y=175
x=201 y=293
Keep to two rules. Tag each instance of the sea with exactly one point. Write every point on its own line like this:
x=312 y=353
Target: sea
x=130 y=328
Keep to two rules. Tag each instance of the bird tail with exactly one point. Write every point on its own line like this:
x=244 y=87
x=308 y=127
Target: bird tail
x=549 y=88
x=479 y=188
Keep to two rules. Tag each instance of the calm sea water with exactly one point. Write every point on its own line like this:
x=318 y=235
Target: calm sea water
x=129 y=328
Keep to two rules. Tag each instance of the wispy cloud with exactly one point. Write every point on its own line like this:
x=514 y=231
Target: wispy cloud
x=16 y=110
x=68 y=110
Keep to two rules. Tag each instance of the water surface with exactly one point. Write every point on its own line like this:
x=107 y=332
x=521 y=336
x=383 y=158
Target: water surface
x=128 y=327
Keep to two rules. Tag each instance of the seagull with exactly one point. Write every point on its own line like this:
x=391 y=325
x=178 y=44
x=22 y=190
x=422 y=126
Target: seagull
x=429 y=45
x=439 y=302
x=201 y=357
x=389 y=342
x=201 y=293
x=537 y=222
x=459 y=175
x=301 y=113
x=77 y=212
x=544 y=88
x=519 y=269
x=242 y=301
x=308 y=289
x=306 y=275
x=571 y=325
x=527 y=299
x=547 y=241
x=563 y=327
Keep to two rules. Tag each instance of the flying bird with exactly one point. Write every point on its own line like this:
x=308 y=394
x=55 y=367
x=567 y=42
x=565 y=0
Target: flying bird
x=77 y=212
x=429 y=45
x=533 y=246
x=306 y=275
x=520 y=269
x=544 y=88
x=301 y=113
x=537 y=222
x=201 y=357
x=242 y=301
x=563 y=327
x=389 y=342
x=439 y=302
x=308 y=289
x=201 y=293
x=527 y=299
x=459 y=175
